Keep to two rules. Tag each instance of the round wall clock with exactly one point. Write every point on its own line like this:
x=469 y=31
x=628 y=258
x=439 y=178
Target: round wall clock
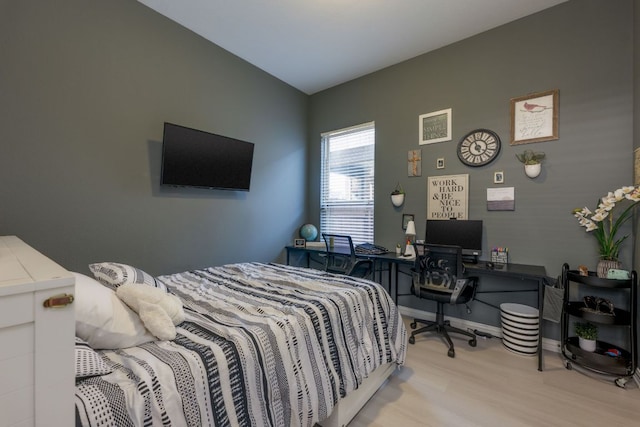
x=479 y=147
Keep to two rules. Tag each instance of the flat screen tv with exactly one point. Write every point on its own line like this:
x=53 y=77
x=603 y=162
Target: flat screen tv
x=456 y=232
x=194 y=158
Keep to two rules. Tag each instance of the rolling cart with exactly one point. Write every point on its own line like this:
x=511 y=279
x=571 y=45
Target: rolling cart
x=608 y=359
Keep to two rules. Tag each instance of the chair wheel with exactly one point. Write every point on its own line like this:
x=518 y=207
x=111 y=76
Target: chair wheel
x=413 y=325
x=412 y=340
x=621 y=382
x=473 y=342
x=451 y=353
x=568 y=366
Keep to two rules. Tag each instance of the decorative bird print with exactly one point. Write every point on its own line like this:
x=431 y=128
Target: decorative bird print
x=534 y=108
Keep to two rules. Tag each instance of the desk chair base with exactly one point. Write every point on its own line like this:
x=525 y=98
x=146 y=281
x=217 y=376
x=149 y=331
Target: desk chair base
x=442 y=328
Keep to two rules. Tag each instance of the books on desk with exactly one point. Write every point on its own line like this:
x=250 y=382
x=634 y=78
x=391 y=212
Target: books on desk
x=315 y=245
x=370 y=249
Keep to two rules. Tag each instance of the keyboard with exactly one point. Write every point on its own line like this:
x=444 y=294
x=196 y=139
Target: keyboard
x=370 y=249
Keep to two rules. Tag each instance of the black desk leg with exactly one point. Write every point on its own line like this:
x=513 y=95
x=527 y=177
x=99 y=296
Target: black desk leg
x=540 y=321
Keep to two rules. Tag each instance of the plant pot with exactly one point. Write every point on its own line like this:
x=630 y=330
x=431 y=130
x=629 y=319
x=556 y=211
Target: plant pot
x=397 y=199
x=604 y=265
x=587 y=345
x=533 y=171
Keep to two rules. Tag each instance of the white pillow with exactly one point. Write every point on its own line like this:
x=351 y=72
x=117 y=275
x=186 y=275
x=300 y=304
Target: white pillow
x=113 y=274
x=102 y=320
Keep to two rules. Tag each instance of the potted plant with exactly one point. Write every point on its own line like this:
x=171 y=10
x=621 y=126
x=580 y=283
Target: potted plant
x=397 y=196
x=587 y=334
x=605 y=227
x=532 y=162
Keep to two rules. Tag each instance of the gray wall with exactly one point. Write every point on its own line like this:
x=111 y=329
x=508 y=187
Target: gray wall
x=582 y=48
x=85 y=87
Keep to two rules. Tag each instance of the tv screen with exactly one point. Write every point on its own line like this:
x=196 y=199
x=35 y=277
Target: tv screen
x=456 y=232
x=194 y=158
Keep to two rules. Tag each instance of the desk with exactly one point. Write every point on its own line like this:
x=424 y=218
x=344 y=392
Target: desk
x=524 y=272
x=533 y=273
x=391 y=260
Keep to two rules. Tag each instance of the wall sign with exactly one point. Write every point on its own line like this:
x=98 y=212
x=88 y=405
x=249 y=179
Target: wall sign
x=414 y=162
x=448 y=196
x=534 y=117
x=435 y=127
x=501 y=199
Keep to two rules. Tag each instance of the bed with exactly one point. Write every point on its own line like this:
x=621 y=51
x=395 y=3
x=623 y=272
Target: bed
x=261 y=344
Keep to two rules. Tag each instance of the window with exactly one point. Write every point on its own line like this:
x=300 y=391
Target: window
x=346 y=189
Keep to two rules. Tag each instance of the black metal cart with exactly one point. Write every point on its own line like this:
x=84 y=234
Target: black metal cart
x=607 y=359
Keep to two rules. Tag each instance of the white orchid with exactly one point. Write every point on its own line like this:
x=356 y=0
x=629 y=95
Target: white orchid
x=605 y=231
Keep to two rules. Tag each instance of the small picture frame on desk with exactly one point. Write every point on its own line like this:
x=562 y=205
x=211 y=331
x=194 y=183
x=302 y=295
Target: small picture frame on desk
x=299 y=243
x=405 y=220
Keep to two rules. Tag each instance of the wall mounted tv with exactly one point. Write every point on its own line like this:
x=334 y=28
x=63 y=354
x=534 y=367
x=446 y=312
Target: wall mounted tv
x=194 y=158
x=456 y=232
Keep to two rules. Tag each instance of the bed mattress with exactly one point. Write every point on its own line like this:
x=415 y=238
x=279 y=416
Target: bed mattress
x=262 y=344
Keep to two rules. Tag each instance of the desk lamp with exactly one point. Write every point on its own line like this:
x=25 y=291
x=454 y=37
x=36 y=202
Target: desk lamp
x=410 y=233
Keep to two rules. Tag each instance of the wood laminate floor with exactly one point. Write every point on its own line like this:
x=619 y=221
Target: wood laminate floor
x=490 y=386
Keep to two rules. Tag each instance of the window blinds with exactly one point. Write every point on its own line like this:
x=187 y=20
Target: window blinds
x=347 y=182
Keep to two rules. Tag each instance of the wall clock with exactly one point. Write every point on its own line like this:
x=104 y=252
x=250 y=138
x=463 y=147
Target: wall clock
x=479 y=147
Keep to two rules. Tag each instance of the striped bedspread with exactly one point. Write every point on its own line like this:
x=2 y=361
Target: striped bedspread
x=262 y=345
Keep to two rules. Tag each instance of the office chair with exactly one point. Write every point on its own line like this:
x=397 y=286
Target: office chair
x=341 y=257
x=437 y=276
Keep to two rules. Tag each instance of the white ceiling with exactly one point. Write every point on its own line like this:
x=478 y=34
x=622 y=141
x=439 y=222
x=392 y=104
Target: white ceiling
x=316 y=44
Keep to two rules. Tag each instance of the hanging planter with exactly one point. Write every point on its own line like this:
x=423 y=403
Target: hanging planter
x=532 y=162
x=397 y=196
x=532 y=171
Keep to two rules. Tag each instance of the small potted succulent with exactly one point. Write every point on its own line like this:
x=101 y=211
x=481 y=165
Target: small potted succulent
x=532 y=162
x=587 y=334
x=397 y=196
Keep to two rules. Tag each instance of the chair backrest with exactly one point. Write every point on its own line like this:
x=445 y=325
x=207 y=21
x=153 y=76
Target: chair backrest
x=437 y=267
x=341 y=254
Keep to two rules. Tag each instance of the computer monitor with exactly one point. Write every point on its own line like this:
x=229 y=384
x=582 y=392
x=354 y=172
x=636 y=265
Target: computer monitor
x=456 y=232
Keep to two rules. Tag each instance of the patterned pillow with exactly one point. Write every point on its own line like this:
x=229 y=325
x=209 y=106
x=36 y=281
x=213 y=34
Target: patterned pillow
x=88 y=362
x=113 y=274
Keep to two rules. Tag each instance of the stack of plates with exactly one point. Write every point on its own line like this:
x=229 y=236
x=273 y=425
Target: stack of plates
x=520 y=328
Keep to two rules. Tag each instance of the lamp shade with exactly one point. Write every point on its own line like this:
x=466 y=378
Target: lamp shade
x=411 y=229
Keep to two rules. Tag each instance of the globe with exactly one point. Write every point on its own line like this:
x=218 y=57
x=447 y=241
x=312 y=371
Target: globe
x=309 y=232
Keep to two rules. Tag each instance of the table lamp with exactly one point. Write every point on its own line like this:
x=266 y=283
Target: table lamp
x=410 y=233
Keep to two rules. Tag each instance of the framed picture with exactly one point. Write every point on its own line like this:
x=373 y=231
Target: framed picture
x=299 y=243
x=414 y=162
x=440 y=163
x=448 y=197
x=636 y=166
x=534 y=117
x=405 y=220
x=435 y=127
x=501 y=199
x=498 y=177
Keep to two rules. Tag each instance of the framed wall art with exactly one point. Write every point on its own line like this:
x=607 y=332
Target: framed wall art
x=534 y=117
x=448 y=196
x=405 y=220
x=435 y=127
x=501 y=199
x=414 y=163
